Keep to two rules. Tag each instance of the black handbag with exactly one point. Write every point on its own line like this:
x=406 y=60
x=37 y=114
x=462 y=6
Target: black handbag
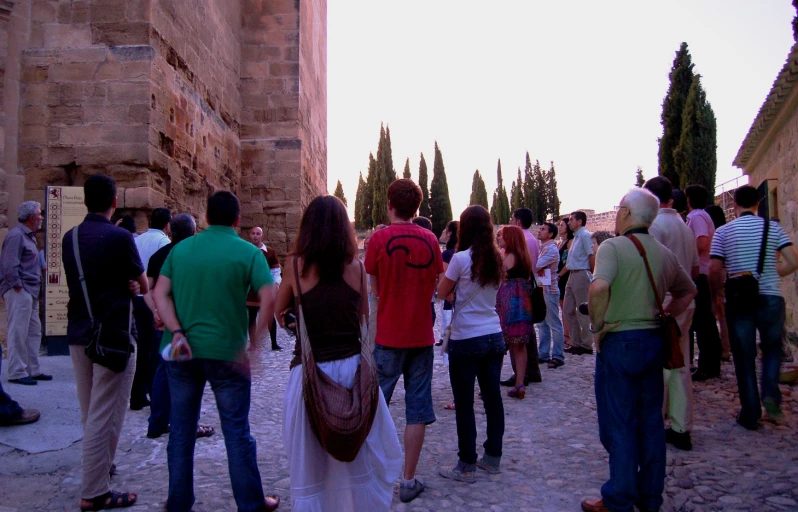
x=538 y=302
x=743 y=290
x=109 y=346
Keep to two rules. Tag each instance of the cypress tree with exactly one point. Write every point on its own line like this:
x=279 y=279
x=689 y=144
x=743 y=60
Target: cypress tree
x=406 y=173
x=390 y=172
x=540 y=189
x=439 y=204
x=639 y=179
x=339 y=193
x=681 y=78
x=423 y=210
x=500 y=211
x=368 y=195
x=696 y=155
x=530 y=194
x=361 y=189
x=517 y=193
x=552 y=196
x=379 y=212
x=479 y=194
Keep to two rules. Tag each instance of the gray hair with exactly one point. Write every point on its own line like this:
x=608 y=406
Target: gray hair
x=643 y=206
x=182 y=226
x=27 y=209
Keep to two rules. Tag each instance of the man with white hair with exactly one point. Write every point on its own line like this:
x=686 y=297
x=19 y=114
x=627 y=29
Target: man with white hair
x=20 y=283
x=628 y=381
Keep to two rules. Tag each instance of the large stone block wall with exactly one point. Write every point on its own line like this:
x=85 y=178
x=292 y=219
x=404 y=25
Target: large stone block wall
x=173 y=99
x=777 y=158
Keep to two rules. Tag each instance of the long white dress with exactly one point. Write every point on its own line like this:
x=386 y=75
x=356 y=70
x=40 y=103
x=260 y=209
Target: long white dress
x=319 y=483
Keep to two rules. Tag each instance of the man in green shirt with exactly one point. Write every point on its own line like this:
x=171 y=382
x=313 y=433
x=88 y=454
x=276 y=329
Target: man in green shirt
x=628 y=381
x=201 y=296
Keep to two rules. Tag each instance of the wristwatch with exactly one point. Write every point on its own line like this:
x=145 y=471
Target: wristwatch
x=596 y=330
x=179 y=331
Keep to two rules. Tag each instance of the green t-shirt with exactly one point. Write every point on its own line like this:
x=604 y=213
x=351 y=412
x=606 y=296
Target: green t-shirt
x=632 y=300
x=211 y=274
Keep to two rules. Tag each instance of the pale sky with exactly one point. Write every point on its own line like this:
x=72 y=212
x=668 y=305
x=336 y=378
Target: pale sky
x=577 y=82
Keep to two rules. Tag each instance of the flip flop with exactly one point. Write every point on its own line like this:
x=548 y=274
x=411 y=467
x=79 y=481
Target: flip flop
x=272 y=502
x=449 y=407
x=109 y=500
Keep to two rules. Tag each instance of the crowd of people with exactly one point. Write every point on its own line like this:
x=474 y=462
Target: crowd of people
x=153 y=317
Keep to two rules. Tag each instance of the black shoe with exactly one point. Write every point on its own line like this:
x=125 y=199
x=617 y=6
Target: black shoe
x=573 y=350
x=746 y=425
x=700 y=376
x=678 y=440
x=155 y=435
x=542 y=361
x=276 y=347
x=509 y=382
x=25 y=381
x=556 y=363
x=439 y=343
x=535 y=379
x=42 y=376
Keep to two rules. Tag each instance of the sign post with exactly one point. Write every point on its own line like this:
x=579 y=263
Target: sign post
x=65 y=210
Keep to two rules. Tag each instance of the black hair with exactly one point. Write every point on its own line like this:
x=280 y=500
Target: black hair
x=128 y=224
x=746 y=196
x=661 y=187
x=452 y=227
x=99 y=192
x=679 y=200
x=223 y=208
x=160 y=218
x=524 y=216
x=717 y=215
x=697 y=196
x=423 y=222
x=552 y=228
x=580 y=216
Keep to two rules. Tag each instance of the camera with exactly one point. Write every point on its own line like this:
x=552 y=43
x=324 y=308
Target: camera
x=583 y=308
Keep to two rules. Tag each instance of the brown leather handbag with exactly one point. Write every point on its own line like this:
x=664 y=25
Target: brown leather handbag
x=671 y=334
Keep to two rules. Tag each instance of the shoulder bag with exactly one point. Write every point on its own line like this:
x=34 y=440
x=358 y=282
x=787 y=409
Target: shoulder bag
x=340 y=418
x=538 y=301
x=109 y=346
x=743 y=290
x=671 y=334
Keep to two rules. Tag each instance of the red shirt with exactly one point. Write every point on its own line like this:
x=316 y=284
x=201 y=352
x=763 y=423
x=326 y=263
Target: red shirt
x=406 y=259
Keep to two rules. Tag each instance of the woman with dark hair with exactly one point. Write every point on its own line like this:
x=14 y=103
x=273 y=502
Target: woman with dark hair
x=476 y=346
x=719 y=219
x=324 y=283
x=448 y=237
x=566 y=236
x=514 y=302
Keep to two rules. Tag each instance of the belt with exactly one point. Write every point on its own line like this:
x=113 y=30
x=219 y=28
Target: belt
x=741 y=274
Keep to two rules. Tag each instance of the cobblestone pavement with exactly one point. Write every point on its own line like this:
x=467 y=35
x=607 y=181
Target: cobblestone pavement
x=552 y=455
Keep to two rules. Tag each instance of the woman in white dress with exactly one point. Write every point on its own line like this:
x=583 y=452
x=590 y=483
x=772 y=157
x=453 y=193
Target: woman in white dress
x=326 y=279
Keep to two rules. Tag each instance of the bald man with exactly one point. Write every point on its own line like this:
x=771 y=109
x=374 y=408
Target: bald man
x=253 y=303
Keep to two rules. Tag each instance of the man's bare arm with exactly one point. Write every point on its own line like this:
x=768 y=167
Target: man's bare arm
x=788 y=263
x=598 y=299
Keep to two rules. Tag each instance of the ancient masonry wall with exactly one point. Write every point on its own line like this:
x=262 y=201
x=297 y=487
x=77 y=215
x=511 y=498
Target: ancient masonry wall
x=777 y=158
x=173 y=99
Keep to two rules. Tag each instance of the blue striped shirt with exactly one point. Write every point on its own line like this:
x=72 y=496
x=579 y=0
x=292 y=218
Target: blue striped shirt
x=738 y=242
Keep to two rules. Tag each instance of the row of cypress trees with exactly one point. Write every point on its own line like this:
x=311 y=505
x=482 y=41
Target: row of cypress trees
x=371 y=207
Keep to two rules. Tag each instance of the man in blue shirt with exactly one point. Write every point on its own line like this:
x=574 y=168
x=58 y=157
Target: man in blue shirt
x=580 y=263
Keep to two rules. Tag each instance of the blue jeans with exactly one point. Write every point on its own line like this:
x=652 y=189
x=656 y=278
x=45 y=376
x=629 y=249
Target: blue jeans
x=9 y=409
x=415 y=364
x=159 y=393
x=629 y=394
x=551 y=330
x=231 y=385
x=743 y=321
x=477 y=358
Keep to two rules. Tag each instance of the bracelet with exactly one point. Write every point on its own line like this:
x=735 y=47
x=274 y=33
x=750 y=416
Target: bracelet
x=594 y=331
x=179 y=331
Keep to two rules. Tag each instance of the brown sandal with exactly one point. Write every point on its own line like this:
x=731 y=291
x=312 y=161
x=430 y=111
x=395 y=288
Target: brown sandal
x=109 y=500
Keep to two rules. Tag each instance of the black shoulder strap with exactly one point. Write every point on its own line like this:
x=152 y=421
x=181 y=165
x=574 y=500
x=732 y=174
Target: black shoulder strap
x=761 y=265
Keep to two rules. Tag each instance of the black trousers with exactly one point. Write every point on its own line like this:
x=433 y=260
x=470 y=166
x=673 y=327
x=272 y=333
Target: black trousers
x=705 y=328
x=253 y=315
x=145 y=344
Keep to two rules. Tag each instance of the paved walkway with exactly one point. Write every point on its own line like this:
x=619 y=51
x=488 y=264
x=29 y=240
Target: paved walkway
x=552 y=455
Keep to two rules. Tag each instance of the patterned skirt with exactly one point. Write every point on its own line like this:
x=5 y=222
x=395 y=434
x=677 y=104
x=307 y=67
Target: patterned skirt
x=514 y=306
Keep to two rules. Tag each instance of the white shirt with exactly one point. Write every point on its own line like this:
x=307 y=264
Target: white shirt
x=478 y=317
x=149 y=242
x=275 y=272
x=671 y=231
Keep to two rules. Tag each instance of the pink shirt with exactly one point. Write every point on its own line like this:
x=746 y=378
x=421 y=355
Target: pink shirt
x=533 y=245
x=701 y=224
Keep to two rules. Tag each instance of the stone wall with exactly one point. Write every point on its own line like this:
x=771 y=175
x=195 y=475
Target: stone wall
x=776 y=158
x=173 y=99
